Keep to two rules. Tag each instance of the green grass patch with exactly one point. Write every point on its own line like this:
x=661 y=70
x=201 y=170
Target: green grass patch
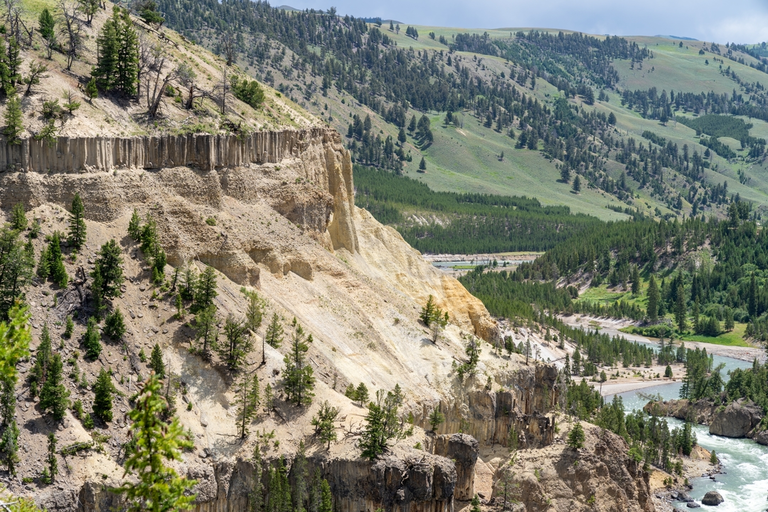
x=735 y=338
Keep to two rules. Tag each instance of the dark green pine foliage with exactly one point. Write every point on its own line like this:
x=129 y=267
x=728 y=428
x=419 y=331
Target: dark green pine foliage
x=18 y=217
x=54 y=396
x=156 y=362
x=77 y=230
x=206 y=289
x=51 y=460
x=118 y=58
x=238 y=344
x=299 y=379
x=114 y=325
x=56 y=261
x=134 y=226
x=92 y=340
x=14 y=126
x=247 y=401
x=110 y=263
x=43 y=358
x=16 y=266
x=274 y=335
x=47 y=25
x=103 y=390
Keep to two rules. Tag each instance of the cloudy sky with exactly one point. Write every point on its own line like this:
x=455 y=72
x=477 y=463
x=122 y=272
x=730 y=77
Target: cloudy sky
x=741 y=21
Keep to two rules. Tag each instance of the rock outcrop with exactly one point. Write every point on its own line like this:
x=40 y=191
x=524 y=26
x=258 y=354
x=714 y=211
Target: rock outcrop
x=520 y=403
x=599 y=476
x=736 y=420
x=462 y=449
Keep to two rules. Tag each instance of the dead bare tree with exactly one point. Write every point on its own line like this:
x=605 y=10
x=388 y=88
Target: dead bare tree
x=157 y=82
x=223 y=88
x=228 y=43
x=145 y=55
x=186 y=76
x=72 y=28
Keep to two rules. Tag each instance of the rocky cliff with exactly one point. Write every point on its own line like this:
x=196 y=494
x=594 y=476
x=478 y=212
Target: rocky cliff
x=741 y=418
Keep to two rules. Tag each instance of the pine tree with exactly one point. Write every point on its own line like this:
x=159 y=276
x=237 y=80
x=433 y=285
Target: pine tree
x=576 y=184
x=576 y=437
x=77 y=230
x=58 y=272
x=254 y=314
x=680 y=309
x=325 y=430
x=43 y=358
x=91 y=90
x=18 y=217
x=156 y=362
x=326 y=497
x=92 y=340
x=298 y=375
x=47 y=25
x=44 y=265
x=274 y=335
x=134 y=226
x=423 y=164
x=9 y=440
x=752 y=298
x=652 y=309
x=68 y=328
x=117 y=64
x=234 y=352
x=205 y=330
x=110 y=263
x=54 y=396
x=206 y=289
x=103 y=390
x=565 y=173
x=300 y=476
x=189 y=282
x=361 y=394
x=53 y=463
x=436 y=418
x=13 y=119
x=114 y=325
x=157 y=487
x=635 y=281
x=247 y=401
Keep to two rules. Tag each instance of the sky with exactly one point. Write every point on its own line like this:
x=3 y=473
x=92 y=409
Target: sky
x=739 y=21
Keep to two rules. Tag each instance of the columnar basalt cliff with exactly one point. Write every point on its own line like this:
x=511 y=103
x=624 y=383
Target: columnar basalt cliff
x=517 y=401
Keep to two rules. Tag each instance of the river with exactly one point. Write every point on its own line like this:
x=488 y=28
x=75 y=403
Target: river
x=744 y=486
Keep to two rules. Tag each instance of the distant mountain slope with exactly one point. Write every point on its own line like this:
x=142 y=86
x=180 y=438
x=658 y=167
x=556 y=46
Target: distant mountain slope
x=529 y=110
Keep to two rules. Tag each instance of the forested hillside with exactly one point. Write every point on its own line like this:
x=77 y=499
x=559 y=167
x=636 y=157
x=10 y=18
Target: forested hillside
x=514 y=113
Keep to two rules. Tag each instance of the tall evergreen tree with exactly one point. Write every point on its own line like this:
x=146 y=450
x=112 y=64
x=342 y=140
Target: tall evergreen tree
x=206 y=289
x=326 y=498
x=110 y=262
x=205 y=330
x=156 y=362
x=134 y=226
x=234 y=352
x=18 y=217
x=247 y=402
x=652 y=309
x=118 y=55
x=51 y=460
x=92 y=340
x=156 y=486
x=323 y=423
x=274 y=335
x=77 y=228
x=298 y=375
x=43 y=358
x=56 y=261
x=680 y=309
x=54 y=396
x=103 y=390
x=13 y=117
x=114 y=325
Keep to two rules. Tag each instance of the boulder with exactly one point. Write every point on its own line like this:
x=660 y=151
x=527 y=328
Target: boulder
x=712 y=498
x=762 y=437
x=692 y=504
x=736 y=420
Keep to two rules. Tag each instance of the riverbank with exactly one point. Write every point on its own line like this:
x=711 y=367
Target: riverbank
x=612 y=326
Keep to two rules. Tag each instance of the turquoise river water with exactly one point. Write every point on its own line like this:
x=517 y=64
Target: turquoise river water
x=744 y=486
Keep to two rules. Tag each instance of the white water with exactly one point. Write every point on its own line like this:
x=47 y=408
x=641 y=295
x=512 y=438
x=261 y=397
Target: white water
x=744 y=486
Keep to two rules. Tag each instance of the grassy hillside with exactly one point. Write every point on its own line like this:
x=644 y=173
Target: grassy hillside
x=342 y=70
